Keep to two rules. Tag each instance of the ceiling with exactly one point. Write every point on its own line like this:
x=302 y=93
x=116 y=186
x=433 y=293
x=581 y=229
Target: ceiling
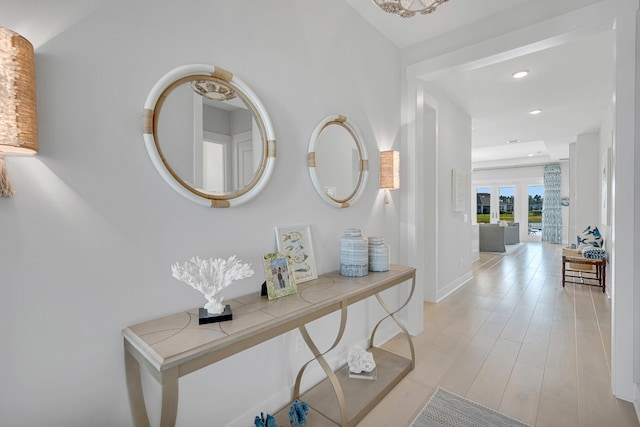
x=571 y=83
x=405 y=32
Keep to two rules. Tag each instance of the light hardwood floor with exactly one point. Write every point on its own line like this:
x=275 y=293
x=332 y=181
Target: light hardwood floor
x=515 y=341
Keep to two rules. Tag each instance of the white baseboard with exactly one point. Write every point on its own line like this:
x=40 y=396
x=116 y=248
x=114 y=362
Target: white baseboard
x=636 y=401
x=273 y=401
x=443 y=292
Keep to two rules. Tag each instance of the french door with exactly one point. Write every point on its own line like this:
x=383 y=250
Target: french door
x=520 y=202
x=495 y=203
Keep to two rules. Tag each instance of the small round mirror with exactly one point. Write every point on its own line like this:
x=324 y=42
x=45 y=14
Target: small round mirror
x=337 y=160
x=209 y=136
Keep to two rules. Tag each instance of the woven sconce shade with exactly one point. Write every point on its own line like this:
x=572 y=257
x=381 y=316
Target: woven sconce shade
x=18 y=116
x=389 y=170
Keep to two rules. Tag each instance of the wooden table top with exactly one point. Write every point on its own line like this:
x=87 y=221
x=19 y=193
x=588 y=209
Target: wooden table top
x=175 y=339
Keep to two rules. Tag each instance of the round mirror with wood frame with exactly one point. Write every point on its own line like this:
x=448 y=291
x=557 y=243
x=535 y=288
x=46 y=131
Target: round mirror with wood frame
x=209 y=136
x=337 y=161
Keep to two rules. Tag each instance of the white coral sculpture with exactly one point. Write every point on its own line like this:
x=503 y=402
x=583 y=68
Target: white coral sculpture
x=210 y=276
x=360 y=360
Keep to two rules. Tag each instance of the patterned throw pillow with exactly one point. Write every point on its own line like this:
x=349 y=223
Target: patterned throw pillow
x=591 y=252
x=590 y=237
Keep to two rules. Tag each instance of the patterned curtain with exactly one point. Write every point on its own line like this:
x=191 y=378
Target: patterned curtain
x=551 y=207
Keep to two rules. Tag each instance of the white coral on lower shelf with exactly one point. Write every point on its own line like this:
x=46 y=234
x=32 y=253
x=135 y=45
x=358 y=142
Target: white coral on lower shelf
x=210 y=276
x=360 y=360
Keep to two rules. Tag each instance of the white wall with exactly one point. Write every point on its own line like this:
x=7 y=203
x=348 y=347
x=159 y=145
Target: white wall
x=565 y=182
x=450 y=149
x=625 y=363
x=635 y=285
x=88 y=240
x=587 y=182
x=573 y=191
x=605 y=144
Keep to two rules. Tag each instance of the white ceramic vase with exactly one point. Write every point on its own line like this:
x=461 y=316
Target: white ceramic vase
x=378 y=254
x=354 y=254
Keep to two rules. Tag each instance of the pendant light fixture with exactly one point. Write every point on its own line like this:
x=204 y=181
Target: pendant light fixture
x=409 y=8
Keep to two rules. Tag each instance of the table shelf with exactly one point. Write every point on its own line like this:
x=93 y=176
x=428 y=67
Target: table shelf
x=361 y=395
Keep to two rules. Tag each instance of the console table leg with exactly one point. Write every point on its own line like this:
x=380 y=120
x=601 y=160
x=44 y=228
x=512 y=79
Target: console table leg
x=134 y=388
x=319 y=357
x=391 y=314
x=169 y=382
x=169 y=398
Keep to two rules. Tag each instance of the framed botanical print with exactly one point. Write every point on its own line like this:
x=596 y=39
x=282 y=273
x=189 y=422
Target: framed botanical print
x=295 y=241
x=277 y=270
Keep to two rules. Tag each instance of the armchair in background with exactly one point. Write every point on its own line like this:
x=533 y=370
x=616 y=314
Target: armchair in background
x=494 y=237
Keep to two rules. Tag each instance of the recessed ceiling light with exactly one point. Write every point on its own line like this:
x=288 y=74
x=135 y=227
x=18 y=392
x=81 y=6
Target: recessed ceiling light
x=535 y=112
x=520 y=74
x=530 y=155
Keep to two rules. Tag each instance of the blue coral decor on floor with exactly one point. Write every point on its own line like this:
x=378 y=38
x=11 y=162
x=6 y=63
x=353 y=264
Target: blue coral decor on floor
x=298 y=413
x=262 y=421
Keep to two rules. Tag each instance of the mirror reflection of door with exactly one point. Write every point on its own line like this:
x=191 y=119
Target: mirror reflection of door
x=236 y=160
x=245 y=159
x=213 y=146
x=213 y=164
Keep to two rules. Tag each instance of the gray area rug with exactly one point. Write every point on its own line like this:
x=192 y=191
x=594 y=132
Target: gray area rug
x=450 y=410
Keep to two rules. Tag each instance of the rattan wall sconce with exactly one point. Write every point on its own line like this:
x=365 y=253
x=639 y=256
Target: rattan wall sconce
x=18 y=117
x=389 y=172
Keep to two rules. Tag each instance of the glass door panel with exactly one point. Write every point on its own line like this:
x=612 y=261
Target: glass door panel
x=483 y=205
x=507 y=203
x=536 y=193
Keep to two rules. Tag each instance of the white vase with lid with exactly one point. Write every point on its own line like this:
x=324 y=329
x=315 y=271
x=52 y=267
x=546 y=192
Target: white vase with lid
x=354 y=254
x=378 y=254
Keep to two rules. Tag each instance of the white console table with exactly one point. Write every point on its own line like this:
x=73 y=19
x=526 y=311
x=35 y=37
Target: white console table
x=176 y=345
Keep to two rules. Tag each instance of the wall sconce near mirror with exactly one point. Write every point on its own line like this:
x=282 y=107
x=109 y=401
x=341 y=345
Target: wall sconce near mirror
x=389 y=172
x=18 y=116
